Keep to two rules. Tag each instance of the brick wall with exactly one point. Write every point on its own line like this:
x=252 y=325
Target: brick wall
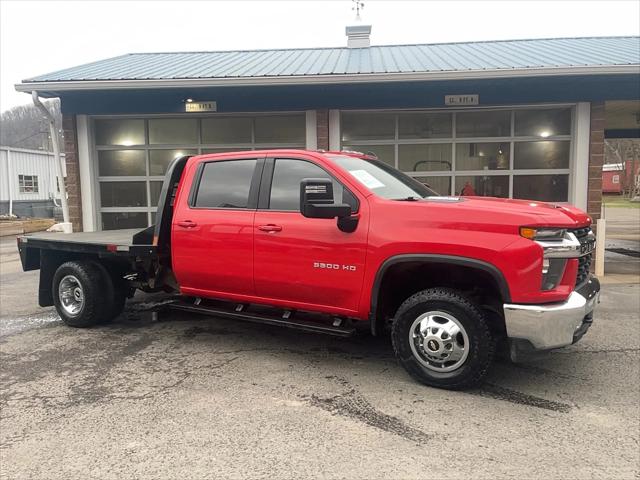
x=596 y=159
x=72 y=182
x=322 y=129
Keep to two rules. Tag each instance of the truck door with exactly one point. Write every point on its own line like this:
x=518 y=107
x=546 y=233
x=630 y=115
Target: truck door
x=212 y=230
x=307 y=261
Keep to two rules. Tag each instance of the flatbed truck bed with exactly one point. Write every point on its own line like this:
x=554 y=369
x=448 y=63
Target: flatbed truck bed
x=111 y=242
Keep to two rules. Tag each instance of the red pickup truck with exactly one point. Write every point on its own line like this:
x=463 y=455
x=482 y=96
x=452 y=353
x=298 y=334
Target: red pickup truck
x=330 y=241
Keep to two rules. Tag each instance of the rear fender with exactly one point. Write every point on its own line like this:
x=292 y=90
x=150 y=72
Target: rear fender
x=50 y=260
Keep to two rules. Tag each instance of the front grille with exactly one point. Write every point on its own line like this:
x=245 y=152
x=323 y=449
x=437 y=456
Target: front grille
x=584 y=265
x=581 y=233
x=584 y=262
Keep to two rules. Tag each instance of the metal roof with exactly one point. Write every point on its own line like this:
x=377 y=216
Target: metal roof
x=499 y=58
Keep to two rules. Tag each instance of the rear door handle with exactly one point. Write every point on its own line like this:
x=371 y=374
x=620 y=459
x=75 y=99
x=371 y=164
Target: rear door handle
x=187 y=224
x=270 y=228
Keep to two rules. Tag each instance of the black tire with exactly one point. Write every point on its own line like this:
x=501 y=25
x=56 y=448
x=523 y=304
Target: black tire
x=480 y=347
x=117 y=292
x=96 y=292
x=119 y=299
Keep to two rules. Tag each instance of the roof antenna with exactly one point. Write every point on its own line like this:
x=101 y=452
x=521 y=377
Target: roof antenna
x=357 y=6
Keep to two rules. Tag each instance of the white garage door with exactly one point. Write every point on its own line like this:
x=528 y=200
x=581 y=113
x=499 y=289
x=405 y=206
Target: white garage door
x=132 y=155
x=509 y=152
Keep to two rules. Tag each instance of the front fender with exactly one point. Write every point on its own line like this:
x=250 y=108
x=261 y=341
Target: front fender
x=492 y=270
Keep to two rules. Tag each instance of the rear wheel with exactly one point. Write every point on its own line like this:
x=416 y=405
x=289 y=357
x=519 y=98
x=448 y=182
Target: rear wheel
x=442 y=339
x=83 y=294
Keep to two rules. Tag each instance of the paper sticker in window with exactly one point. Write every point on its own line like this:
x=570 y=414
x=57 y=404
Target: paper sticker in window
x=366 y=179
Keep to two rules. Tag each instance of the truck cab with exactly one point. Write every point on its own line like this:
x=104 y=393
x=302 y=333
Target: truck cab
x=345 y=236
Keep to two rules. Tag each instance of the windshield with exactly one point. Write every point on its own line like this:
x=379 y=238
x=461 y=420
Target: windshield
x=381 y=179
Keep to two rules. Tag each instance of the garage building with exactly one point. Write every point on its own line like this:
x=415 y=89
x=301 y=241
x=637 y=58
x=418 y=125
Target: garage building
x=513 y=119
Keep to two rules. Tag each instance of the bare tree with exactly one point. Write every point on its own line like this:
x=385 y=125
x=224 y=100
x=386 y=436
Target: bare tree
x=25 y=127
x=626 y=152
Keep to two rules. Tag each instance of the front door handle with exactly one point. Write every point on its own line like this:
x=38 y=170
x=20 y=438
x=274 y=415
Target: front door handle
x=187 y=224
x=270 y=228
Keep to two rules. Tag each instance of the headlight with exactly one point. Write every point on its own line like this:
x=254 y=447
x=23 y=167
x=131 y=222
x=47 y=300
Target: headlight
x=543 y=234
x=557 y=245
x=556 y=242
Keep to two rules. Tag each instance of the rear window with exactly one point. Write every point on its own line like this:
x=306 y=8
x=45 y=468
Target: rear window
x=225 y=184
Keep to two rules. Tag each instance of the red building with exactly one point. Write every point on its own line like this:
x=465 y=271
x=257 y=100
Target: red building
x=612 y=174
x=618 y=177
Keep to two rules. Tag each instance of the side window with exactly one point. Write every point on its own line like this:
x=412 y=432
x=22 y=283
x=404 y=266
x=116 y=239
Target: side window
x=285 y=186
x=225 y=184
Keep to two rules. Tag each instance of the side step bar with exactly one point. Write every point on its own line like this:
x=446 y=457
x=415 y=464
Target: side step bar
x=289 y=322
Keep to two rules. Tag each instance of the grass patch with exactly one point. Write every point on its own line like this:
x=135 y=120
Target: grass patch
x=618 y=201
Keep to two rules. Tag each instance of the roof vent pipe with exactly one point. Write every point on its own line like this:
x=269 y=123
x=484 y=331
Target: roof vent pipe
x=358 y=36
x=66 y=226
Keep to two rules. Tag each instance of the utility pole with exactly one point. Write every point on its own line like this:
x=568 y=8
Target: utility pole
x=66 y=225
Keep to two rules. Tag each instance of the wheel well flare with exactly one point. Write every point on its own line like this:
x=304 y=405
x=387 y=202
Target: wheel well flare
x=400 y=277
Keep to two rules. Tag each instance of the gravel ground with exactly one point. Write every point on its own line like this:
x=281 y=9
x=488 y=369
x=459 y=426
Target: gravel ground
x=186 y=396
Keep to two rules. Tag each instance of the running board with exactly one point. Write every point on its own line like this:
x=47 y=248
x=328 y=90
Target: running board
x=304 y=325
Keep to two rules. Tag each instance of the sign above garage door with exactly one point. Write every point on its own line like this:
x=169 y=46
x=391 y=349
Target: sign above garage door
x=206 y=106
x=461 y=100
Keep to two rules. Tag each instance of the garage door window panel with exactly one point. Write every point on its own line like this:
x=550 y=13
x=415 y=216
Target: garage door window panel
x=159 y=160
x=546 y=188
x=125 y=132
x=484 y=186
x=424 y=125
x=385 y=153
x=538 y=155
x=484 y=124
x=442 y=185
x=543 y=123
x=482 y=156
x=115 y=163
x=483 y=149
x=118 y=220
x=123 y=194
x=227 y=130
x=138 y=151
x=173 y=131
x=155 y=188
x=279 y=129
x=425 y=157
x=374 y=126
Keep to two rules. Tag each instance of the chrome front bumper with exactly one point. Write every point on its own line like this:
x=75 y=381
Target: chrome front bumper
x=553 y=325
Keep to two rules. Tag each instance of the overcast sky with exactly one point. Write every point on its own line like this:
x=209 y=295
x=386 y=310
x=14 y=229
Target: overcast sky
x=43 y=36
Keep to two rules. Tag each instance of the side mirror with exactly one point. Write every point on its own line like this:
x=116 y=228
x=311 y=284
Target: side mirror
x=316 y=200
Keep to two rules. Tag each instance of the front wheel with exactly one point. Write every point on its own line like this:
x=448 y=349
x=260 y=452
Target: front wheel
x=442 y=339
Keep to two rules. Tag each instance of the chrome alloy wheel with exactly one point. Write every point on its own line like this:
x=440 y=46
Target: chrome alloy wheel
x=439 y=341
x=71 y=295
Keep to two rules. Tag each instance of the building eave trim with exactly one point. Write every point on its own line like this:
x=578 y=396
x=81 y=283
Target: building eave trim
x=80 y=85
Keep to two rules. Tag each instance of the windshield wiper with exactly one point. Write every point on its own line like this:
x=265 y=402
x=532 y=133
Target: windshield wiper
x=407 y=199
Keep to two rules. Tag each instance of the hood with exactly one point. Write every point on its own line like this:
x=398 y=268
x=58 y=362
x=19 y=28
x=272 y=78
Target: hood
x=542 y=213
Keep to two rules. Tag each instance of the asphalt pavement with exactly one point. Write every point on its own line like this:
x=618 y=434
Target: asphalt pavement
x=622 y=246
x=177 y=395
